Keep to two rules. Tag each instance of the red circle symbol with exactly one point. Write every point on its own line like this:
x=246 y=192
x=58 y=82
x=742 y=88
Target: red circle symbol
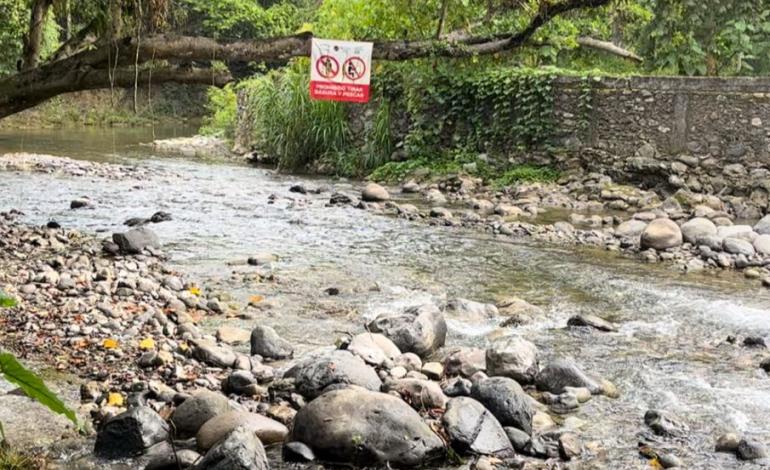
x=327 y=66
x=354 y=68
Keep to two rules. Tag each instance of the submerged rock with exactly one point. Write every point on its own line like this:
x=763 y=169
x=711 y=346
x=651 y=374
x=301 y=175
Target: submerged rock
x=664 y=423
x=421 y=329
x=472 y=428
x=130 y=433
x=316 y=374
x=591 y=321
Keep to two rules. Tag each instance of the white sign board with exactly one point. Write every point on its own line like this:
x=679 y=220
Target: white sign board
x=340 y=70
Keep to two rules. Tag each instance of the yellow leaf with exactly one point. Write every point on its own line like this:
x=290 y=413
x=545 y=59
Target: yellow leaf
x=110 y=343
x=183 y=346
x=305 y=28
x=655 y=463
x=195 y=291
x=255 y=299
x=115 y=399
x=147 y=343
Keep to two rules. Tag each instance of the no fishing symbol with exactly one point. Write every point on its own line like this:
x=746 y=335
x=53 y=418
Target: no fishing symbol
x=346 y=82
x=327 y=66
x=354 y=68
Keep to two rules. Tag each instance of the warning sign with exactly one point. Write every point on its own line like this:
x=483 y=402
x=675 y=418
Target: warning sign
x=340 y=70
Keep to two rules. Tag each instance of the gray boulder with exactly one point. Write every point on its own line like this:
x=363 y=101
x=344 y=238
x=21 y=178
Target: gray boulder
x=241 y=450
x=745 y=232
x=471 y=428
x=631 y=228
x=374 y=348
x=421 y=329
x=217 y=428
x=738 y=246
x=762 y=244
x=421 y=394
x=696 y=228
x=751 y=449
x=513 y=357
x=465 y=361
x=334 y=369
x=373 y=192
x=266 y=342
x=506 y=400
x=763 y=226
x=210 y=353
x=130 y=433
x=562 y=373
x=661 y=234
x=136 y=240
x=163 y=456
x=196 y=410
x=361 y=427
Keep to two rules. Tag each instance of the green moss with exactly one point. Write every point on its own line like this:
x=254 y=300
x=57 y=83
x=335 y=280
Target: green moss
x=526 y=174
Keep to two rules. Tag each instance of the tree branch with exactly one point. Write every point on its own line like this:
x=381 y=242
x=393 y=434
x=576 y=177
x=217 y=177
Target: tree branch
x=608 y=47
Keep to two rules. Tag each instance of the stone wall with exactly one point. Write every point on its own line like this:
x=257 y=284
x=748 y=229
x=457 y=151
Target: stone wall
x=701 y=135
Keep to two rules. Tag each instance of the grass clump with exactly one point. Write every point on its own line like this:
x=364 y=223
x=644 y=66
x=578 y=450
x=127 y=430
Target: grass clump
x=526 y=174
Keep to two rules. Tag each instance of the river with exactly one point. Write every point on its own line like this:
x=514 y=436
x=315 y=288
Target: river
x=669 y=353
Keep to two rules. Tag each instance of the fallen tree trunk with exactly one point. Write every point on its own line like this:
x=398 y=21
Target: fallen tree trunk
x=89 y=69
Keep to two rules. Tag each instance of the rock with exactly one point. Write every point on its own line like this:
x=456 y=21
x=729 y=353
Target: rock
x=727 y=443
x=661 y=234
x=374 y=348
x=410 y=187
x=339 y=199
x=468 y=310
x=232 y=335
x=763 y=226
x=519 y=439
x=421 y=329
x=562 y=373
x=217 y=428
x=765 y=364
x=762 y=244
x=216 y=356
x=751 y=449
x=664 y=423
x=241 y=450
x=457 y=387
x=333 y=369
x=421 y=394
x=737 y=246
x=261 y=259
x=754 y=342
x=197 y=410
x=696 y=228
x=282 y=413
x=744 y=232
x=440 y=213
x=591 y=321
x=471 y=428
x=297 y=452
x=130 y=433
x=631 y=228
x=373 y=192
x=367 y=428
x=513 y=357
x=266 y=342
x=465 y=361
x=168 y=458
x=242 y=382
x=569 y=446
x=433 y=370
x=409 y=361
x=435 y=197
x=506 y=400
x=669 y=460
x=136 y=240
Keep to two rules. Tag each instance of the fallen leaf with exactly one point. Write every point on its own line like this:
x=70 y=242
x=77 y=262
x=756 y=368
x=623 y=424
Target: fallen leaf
x=115 y=399
x=195 y=291
x=110 y=343
x=183 y=346
x=147 y=343
x=255 y=299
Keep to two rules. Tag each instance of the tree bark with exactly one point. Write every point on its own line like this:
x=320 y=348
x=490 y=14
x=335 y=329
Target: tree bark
x=608 y=47
x=35 y=35
x=89 y=69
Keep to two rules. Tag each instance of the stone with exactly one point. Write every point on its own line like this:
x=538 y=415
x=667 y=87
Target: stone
x=241 y=382
x=197 y=410
x=410 y=187
x=506 y=400
x=232 y=335
x=373 y=192
x=240 y=450
x=465 y=361
x=569 y=446
x=282 y=413
x=374 y=348
x=737 y=246
x=468 y=310
x=763 y=226
x=751 y=449
x=333 y=369
x=631 y=228
x=361 y=427
x=130 y=433
x=433 y=370
x=727 y=443
x=261 y=259
x=514 y=357
x=164 y=457
x=440 y=213
x=421 y=394
x=210 y=353
x=471 y=428
x=217 y=428
x=409 y=361
x=562 y=373
x=435 y=197
x=744 y=232
x=591 y=321
x=696 y=228
x=421 y=329
x=136 y=240
x=266 y=342
x=80 y=203
x=519 y=439
x=297 y=452
x=765 y=364
x=661 y=234
x=762 y=244
x=664 y=423
x=457 y=387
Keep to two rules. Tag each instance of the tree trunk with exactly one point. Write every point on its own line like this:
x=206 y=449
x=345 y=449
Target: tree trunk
x=35 y=35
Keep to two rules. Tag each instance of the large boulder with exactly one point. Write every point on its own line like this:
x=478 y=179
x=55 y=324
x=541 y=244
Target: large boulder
x=738 y=246
x=631 y=228
x=136 y=240
x=374 y=348
x=472 y=428
x=212 y=354
x=762 y=245
x=217 y=428
x=333 y=369
x=373 y=192
x=465 y=361
x=130 y=433
x=196 y=410
x=745 y=232
x=507 y=401
x=361 y=427
x=696 y=228
x=421 y=394
x=241 y=450
x=562 y=373
x=421 y=329
x=514 y=357
x=661 y=234
x=763 y=226
x=266 y=342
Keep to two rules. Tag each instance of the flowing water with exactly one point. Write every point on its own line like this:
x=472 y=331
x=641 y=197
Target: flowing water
x=670 y=351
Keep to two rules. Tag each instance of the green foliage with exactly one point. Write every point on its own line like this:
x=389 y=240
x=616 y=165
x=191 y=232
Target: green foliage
x=248 y=19
x=393 y=172
x=5 y=301
x=15 y=15
x=223 y=112
x=526 y=174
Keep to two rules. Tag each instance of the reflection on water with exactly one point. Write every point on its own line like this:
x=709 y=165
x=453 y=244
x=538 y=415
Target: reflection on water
x=669 y=351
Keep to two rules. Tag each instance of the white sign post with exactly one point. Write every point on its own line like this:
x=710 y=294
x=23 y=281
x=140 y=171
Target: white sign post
x=340 y=70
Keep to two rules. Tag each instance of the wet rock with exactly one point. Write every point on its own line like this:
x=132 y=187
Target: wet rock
x=506 y=400
x=513 y=357
x=297 y=452
x=751 y=449
x=368 y=428
x=754 y=342
x=339 y=199
x=727 y=443
x=232 y=335
x=421 y=394
x=197 y=410
x=136 y=240
x=80 y=203
x=696 y=228
x=164 y=457
x=661 y=234
x=667 y=460
x=765 y=364
x=316 y=374
x=471 y=428
x=410 y=187
x=737 y=246
x=266 y=342
x=591 y=321
x=465 y=361
x=373 y=192
x=261 y=259
x=374 y=348
x=421 y=329
x=457 y=387
x=569 y=446
x=209 y=353
x=664 y=423
x=217 y=428
x=130 y=433
x=562 y=373
x=440 y=213
x=241 y=450
x=468 y=310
